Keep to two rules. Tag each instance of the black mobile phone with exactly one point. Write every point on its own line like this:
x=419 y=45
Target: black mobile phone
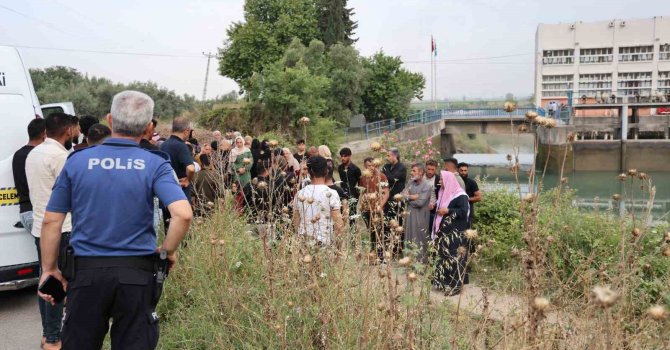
x=53 y=287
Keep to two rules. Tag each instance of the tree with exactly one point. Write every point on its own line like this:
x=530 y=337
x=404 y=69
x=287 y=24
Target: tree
x=509 y=97
x=348 y=81
x=390 y=88
x=288 y=89
x=335 y=22
x=93 y=95
x=270 y=25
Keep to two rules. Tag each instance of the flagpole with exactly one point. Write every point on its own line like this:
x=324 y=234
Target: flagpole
x=435 y=77
x=432 y=91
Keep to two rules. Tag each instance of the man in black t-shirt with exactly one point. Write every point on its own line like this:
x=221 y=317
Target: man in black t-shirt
x=396 y=175
x=145 y=141
x=300 y=155
x=471 y=189
x=350 y=174
x=36 y=135
x=181 y=159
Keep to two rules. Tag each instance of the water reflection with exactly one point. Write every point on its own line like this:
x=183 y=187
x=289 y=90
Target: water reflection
x=594 y=189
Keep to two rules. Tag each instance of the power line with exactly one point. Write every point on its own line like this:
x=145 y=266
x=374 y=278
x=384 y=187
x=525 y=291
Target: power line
x=474 y=58
x=473 y=63
x=43 y=22
x=108 y=52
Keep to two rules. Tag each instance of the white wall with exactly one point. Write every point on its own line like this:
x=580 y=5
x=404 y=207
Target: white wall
x=578 y=35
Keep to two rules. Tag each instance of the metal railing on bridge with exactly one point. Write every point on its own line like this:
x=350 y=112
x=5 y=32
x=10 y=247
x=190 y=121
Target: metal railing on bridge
x=381 y=127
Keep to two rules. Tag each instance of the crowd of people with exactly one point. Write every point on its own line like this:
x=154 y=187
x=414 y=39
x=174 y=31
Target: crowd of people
x=417 y=210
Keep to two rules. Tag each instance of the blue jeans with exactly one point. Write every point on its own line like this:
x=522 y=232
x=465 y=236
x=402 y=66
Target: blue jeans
x=51 y=315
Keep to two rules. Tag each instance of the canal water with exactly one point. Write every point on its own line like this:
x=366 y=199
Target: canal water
x=593 y=189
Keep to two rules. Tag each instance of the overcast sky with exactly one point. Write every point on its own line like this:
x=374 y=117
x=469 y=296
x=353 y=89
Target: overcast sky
x=463 y=29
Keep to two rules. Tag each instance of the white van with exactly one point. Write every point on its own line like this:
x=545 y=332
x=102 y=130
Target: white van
x=18 y=106
x=60 y=107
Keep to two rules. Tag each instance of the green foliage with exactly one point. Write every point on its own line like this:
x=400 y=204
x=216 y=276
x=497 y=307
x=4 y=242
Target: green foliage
x=335 y=22
x=283 y=139
x=582 y=248
x=348 y=81
x=325 y=131
x=267 y=57
x=289 y=89
x=498 y=220
x=390 y=88
x=93 y=96
x=224 y=117
x=269 y=27
x=233 y=290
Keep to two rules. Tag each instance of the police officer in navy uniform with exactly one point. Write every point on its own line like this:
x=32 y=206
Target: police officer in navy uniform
x=109 y=190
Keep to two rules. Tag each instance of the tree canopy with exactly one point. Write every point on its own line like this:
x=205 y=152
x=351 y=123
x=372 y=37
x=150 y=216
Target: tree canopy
x=93 y=95
x=390 y=88
x=271 y=25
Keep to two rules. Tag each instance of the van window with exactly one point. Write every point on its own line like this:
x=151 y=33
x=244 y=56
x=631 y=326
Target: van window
x=49 y=110
x=15 y=123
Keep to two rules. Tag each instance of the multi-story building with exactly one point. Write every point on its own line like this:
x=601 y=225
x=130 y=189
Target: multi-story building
x=629 y=59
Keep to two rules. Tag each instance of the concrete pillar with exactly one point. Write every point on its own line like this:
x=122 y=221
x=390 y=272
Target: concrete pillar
x=447 y=145
x=624 y=122
x=624 y=136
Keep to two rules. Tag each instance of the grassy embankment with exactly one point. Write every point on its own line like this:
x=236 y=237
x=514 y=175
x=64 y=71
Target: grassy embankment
x=594 y=273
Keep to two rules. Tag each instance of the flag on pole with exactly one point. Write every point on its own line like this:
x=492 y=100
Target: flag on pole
x=433 y=46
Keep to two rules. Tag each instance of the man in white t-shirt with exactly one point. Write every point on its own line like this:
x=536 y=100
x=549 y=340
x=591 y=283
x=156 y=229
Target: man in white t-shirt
x=316 y=208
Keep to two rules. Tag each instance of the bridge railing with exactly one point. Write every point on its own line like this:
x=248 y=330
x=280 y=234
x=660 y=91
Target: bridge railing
x=381 y=127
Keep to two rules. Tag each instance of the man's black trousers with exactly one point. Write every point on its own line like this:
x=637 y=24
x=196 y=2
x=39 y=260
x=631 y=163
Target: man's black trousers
x=125 y=295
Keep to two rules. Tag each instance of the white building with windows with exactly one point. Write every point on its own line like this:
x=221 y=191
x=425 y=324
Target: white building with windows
x=629 y=59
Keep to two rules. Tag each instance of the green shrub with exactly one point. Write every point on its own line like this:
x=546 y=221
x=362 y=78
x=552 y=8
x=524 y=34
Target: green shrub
x=323 y=131
x=499 y=224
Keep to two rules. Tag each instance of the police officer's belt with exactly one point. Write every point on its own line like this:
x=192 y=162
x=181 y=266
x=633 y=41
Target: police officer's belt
x=146 y=262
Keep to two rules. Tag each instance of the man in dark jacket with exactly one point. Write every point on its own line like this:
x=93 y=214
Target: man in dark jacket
x=350 y=174
x=396 y=174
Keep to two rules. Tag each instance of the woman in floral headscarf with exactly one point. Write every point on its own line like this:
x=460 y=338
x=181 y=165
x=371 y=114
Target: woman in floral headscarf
x=452 y=247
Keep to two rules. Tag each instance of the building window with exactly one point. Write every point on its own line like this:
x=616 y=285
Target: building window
x=664 y=52
x=635 y=84
x=595 y=85
x=558 y=56
x=663 y=82
x=597 y=55
x=556 y=85
x=636 y=53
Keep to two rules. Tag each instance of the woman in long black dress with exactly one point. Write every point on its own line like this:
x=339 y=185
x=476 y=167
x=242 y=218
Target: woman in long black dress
x=451 y=221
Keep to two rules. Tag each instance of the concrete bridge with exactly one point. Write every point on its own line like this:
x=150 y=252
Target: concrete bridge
x=605 y=140
x=445 y=122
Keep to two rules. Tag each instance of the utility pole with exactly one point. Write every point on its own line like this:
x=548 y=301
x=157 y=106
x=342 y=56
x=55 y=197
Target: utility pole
x=209 y=56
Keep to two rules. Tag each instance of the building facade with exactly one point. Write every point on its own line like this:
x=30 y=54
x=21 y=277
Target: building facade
x=620 y=60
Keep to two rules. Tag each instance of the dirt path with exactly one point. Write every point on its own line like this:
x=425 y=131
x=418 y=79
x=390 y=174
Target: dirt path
x=471 y=299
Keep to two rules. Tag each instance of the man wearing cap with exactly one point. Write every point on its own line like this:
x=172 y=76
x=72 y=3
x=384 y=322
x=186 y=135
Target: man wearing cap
x=109 y=190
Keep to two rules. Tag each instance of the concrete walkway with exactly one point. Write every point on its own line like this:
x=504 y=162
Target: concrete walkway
x=20 y=324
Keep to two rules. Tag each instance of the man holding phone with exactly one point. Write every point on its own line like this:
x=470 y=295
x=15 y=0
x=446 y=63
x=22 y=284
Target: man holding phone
x=42 y=166
x=109 y=190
